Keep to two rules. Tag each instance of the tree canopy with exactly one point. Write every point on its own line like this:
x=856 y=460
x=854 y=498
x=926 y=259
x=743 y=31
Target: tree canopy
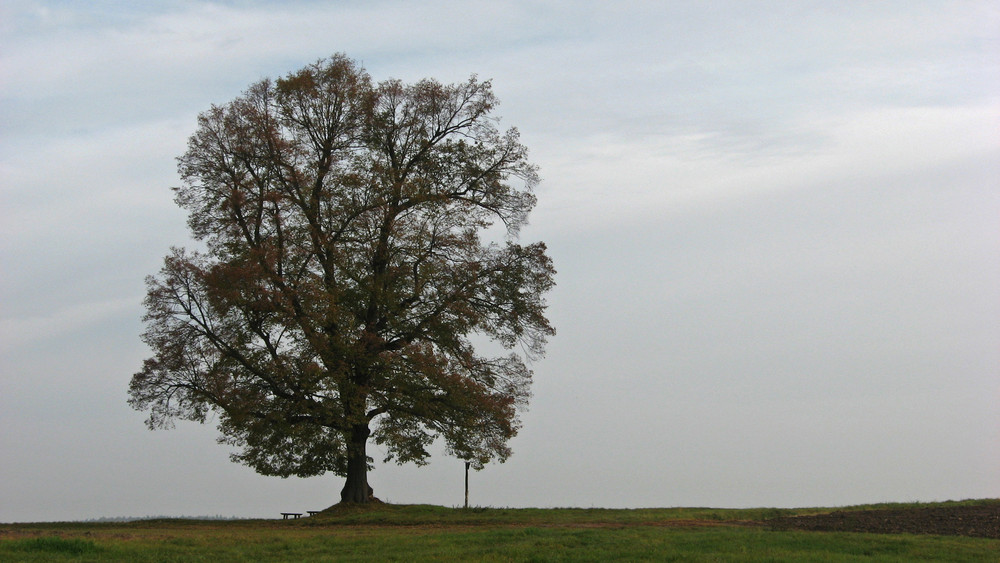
x=343 y=288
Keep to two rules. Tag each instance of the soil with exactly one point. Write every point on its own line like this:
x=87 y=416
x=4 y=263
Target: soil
x=980 y=520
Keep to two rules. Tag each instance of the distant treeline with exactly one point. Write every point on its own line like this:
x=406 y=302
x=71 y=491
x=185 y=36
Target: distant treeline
x=137 y=518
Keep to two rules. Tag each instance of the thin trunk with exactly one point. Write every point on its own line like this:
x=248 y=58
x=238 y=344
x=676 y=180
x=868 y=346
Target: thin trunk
x=356 y=488
x=467 y=484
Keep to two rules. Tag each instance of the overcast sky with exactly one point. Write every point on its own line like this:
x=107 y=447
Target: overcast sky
x=776 y=226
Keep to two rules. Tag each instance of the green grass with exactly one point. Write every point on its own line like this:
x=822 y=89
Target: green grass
x=50 y=545
x=421 y=532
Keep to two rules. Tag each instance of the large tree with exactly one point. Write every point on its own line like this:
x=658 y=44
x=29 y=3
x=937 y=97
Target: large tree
x=342 y=290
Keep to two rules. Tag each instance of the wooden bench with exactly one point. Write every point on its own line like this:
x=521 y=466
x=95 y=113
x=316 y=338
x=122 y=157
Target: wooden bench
x=285 y=515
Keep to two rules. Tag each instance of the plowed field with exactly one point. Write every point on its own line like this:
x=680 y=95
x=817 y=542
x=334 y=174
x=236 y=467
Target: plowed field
x=981 y=521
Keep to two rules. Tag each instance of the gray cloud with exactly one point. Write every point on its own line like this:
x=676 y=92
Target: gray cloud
x=775 y=229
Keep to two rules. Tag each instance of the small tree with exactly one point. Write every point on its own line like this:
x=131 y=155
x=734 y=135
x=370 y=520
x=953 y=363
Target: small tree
x=343 y=280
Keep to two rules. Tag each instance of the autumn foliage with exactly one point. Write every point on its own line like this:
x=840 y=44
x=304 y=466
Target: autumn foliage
x=343 y=283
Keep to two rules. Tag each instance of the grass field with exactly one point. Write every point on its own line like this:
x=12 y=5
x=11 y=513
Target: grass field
x=432 y=533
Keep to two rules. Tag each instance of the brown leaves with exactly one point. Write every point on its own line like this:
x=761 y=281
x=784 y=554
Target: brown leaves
x=344 y=281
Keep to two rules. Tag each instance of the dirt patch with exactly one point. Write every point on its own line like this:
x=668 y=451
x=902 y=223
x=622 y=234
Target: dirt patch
x=982 y=521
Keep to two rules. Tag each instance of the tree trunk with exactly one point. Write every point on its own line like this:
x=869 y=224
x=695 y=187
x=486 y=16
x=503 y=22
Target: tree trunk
x=467 y=484
x=356 y=488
